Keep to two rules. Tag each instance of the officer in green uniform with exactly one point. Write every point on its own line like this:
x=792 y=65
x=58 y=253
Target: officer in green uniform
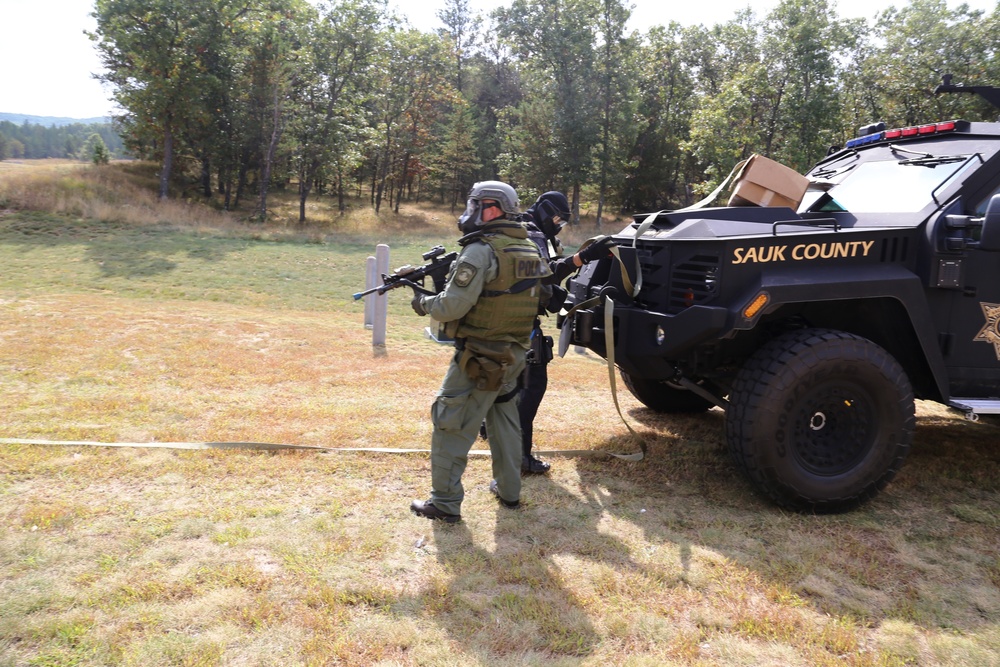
x=489 y=305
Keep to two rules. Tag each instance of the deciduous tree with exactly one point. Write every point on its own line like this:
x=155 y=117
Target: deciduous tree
x=150 y=52
x=557 y=40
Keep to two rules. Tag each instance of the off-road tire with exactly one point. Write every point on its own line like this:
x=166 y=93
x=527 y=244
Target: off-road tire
x=820 y=421
x=661 y=397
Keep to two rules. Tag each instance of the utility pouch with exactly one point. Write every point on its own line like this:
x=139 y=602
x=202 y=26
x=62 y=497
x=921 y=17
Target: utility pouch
x=547 y=348
x=541 y=350
x=484 y=366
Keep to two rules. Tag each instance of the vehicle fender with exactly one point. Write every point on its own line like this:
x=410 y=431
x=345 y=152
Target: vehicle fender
x=883 y=281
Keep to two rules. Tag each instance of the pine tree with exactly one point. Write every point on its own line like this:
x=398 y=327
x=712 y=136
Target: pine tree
x=98 y=150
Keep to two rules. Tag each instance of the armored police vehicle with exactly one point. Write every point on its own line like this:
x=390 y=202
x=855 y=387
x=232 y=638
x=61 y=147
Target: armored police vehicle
x=815 y=328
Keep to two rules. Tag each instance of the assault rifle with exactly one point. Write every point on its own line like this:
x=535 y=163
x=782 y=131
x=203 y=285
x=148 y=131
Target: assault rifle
x=413 y=276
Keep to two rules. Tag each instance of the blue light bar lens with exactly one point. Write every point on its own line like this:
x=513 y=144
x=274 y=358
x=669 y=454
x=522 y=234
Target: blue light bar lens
x=865 y=140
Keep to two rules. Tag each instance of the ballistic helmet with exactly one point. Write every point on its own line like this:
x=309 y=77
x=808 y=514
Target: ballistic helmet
x=547 y=207
x=497 y=191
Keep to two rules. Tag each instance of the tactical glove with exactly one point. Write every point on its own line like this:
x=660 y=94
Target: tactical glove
x=600 y=248
x=418 y=305
x=556 y=301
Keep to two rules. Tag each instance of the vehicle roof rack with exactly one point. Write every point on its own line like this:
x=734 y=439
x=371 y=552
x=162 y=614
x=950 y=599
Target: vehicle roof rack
x=989 y=93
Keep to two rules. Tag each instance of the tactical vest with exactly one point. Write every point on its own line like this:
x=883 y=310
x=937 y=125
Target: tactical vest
x=508 y=305
x=538 y=237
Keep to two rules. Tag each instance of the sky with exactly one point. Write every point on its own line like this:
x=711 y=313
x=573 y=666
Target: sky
x=47 y=63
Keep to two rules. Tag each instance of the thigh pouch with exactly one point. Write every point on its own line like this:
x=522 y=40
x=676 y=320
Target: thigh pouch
x=485 y=366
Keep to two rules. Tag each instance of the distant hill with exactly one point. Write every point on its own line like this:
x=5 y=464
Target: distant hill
x=49 y=121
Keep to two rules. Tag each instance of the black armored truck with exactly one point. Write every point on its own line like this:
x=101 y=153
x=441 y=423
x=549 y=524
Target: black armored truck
x=817 y=323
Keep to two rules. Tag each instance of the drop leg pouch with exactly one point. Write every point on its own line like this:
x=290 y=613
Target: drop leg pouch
x=485 y=366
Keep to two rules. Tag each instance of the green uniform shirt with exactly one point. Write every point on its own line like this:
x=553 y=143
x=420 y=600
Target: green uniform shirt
x=458 y=298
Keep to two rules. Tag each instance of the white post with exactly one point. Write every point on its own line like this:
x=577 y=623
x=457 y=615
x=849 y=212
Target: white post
x=381 y=301
x=371 y=280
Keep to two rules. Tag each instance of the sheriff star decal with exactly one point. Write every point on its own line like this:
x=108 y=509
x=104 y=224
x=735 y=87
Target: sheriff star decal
x=991 y=332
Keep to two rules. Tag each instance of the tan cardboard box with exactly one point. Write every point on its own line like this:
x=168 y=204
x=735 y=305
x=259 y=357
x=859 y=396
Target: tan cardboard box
x=765 y=182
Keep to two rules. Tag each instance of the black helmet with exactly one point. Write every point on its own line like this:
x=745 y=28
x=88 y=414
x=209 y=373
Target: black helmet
x=498 y=191
x=547 y=207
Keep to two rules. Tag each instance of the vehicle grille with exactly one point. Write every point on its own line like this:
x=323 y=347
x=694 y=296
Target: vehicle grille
x=655 y=263
x=671 y=289
x=693 y=282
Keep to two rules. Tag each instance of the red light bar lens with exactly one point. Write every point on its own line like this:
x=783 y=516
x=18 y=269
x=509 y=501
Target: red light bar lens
x=907 y=132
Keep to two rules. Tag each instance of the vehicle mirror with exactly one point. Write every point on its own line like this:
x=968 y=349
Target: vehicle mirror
x=990 y=238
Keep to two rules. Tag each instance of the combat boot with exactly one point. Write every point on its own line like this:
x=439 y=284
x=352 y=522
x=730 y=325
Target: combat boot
x=509 y=504
x=532 y=466
x=427 y=510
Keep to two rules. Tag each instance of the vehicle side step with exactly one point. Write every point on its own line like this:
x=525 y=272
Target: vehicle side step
x=973 y=407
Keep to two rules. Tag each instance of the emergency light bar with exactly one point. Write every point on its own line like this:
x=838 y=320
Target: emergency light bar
x=907 y=132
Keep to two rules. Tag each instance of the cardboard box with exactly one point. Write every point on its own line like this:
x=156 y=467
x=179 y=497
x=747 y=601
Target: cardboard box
x=764 y=182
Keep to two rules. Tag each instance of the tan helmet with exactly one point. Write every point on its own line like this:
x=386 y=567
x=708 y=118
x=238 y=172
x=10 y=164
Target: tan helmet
x=499 y=192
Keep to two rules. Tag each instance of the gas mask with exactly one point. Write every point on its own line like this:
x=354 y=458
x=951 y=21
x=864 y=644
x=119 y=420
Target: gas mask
x=471 y=219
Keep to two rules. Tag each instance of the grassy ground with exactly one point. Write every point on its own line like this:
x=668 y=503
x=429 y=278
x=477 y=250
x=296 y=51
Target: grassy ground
x=144 y=329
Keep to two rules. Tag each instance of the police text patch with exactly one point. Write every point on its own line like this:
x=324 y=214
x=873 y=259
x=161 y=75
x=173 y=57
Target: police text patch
x=530 y=267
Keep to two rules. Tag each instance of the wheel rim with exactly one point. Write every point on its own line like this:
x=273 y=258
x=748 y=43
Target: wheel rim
x=834 y=428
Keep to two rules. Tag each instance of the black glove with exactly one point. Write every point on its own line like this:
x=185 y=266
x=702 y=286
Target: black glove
x=418 y=305
x=600 y=248
x=557 y=299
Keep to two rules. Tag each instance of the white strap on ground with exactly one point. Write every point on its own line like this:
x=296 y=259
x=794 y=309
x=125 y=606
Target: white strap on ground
x=272 y=446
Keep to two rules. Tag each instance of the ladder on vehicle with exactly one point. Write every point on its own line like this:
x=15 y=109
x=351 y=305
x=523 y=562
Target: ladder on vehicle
x=973 y=407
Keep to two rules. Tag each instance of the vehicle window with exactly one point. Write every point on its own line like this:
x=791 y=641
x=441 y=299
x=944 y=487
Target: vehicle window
x=981 y=207
x=891 y=186
x=811 y=199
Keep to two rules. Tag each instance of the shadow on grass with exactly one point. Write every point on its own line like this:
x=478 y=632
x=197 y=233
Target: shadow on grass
x=165 y=262
x=510 y=602
x=923 y=552
x=716 y=560
x=118 y=250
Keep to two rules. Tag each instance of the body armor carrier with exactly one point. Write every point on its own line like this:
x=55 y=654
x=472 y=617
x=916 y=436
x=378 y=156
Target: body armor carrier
x=507 y=307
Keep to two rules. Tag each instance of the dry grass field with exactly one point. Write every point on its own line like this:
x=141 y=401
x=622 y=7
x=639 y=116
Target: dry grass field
x=124 y=321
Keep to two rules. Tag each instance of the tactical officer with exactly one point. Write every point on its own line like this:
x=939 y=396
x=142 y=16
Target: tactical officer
x=488 y=305
x=545 y=219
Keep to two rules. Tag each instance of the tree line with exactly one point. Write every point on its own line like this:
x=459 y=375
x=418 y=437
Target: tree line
x=344 y=98
x=75 y=141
